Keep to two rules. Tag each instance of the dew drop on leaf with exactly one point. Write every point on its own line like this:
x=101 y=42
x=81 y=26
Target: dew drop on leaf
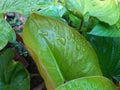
x=68 y=37
x=43 y=34
x=61 y=40
x=78 y=47
x=38 y=3
x=72 y=35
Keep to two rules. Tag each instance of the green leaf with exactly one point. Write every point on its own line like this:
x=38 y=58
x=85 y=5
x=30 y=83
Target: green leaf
x=60 y=52
x=108 y=51
x=105 y=30
x=88 y=83
x=24 y=7
x=6 y=33
x=56 y=11
x=75 y=21
x=102 y=29
x=104 y=10
x=46 y=3
x=77 y=7
x=13 y=75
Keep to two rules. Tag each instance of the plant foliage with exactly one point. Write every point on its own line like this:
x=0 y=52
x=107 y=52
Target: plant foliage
x=59 y=56
x=13 y=75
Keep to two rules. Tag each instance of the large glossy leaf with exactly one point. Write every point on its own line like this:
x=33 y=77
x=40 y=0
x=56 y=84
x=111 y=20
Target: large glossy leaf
x=13 y=75
x=104 y=10
x=88 y=83
x=6 y=33
x=108 y=51
x=23 y=6
x=60 y=52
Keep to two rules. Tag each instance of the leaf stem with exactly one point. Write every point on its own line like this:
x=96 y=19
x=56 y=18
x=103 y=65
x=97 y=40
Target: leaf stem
x=81 y=23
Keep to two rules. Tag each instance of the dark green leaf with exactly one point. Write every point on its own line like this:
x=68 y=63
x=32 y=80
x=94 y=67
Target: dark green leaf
x=108 y=51
x=60 y=52
x=6 y=33
x=13 y=75
x=88 y=83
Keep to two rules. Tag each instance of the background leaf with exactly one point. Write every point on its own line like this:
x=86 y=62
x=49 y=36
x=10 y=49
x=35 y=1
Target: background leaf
x=13 y=75
x=55 y=11
x=108 y=51
x=105 y=30
x=77 y=7
x=104 y=10
x=88 y=83
x=24 y=7
x=6 y=33
x=60 y=52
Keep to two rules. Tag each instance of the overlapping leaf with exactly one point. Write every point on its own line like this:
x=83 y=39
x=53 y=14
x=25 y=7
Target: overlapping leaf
x=13 y=75
x=88 y=83
x=106 y=30
x=60 y=52
x=56 y=11
x=6 y=33
x=108 y=51
x=104 y=10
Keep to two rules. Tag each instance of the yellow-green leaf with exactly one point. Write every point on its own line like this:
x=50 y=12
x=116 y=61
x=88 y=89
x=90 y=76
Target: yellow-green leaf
x=60 y=52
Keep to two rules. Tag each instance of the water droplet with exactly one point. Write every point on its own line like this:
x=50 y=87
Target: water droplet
x=83 y=50
x=32 y=2
x=69 y=86
x=79 y=58
x=68 y=37
x=78 y=47
x=43 y=34
x=32 y=9
x=38 y=3
x=62 y=40
x=72 y=35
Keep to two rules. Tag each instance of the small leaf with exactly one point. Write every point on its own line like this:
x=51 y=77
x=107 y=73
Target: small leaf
x=6 y=33
x=88 y=83
x=13 y=75
x=60 y=52
x=108 y=51
x=75 y=21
